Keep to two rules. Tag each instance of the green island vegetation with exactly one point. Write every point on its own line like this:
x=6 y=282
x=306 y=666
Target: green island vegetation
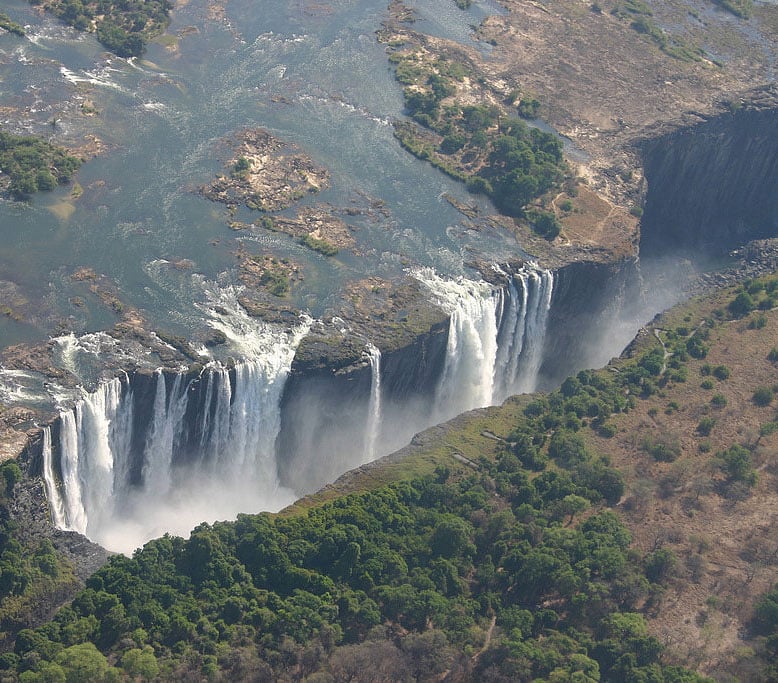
x=640 y=16
x=493 y=153
x=509 y=565
x=276 y=281
x=123 y=27
x=10 y=26
x=323 y=247
x=32 y=164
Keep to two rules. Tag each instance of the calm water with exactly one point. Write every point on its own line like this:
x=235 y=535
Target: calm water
x=162 y=119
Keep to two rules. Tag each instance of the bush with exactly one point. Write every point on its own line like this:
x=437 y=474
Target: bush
x=758 y=322
x=705 y=426
x=763 y=396
x=545 y=224
x=741 y=305
x=736 y=463
x=662 y=449
x=696 y=347
x=322 y=246
x=721 y=372
x=773 y=355
x=706 y=384
x=607 y=430
x=718 y=400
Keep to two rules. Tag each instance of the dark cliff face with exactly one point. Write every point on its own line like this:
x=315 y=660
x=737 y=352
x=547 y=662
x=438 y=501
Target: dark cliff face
x=325 y=413
x=590 y=318
x=711 y=187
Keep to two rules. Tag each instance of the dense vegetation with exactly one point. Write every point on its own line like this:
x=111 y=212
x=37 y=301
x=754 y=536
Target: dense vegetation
x=497 y=155
x=32 y=164
x=123 y=27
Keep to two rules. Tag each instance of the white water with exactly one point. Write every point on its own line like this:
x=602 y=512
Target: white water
x=120 y=488
x=56 y=505
x=496 y=337
x=373 y=429
x=207 y=448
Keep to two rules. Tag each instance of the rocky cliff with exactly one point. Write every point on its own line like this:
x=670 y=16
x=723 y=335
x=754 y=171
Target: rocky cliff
x=711 y=187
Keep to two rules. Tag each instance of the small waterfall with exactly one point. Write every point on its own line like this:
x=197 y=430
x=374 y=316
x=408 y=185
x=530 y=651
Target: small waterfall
x=524 y=307
x=89 y=438
x=373 y=427
x=163 y=436
x=495 y=340
x=56 y=505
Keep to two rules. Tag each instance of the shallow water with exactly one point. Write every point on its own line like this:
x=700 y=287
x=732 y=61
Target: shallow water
x=162 y=119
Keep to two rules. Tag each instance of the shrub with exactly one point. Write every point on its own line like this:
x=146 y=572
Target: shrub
x=696 y=347
x=736 y=463
x=663 y=449
x=721 y=372
x=322 y=246
x=741 y=305
x=545 y=224
x=758 y=322
x=773 y=355
x=607 y=430
x=705 y=426
x=718 y=400
x=763 y=396
x=706 y=384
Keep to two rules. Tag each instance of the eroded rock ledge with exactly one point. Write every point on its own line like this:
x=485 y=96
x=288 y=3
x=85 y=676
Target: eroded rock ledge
x=265 y=173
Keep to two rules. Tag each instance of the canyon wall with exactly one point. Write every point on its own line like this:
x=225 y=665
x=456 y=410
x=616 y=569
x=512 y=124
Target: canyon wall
x=712 y=186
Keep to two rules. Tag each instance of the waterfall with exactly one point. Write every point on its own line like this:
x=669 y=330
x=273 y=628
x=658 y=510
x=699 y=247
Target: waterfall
x=163 y=451
x=52 y=491
x=138 y=462
x=373 y=427
x=495 y=339
x=162 y=438
x=523 y=308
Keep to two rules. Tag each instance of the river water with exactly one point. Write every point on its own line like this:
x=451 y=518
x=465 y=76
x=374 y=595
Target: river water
x=312 y=73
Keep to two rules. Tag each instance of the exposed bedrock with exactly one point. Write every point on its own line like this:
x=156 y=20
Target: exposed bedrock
x=711 y=187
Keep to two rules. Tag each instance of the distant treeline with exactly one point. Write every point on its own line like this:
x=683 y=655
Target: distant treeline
x=122 y=26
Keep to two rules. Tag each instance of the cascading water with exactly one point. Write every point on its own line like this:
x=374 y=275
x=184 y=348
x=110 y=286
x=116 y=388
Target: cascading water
x=193 y=447
x=372 y=431
x=56 y=505
x=523 y=316
x=496 y=337
x=166 y=450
